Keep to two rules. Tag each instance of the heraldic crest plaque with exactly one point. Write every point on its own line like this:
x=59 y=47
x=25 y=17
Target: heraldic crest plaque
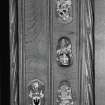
x=64 y=10
x=64 y=55
x=36 y=92
x=64 y=94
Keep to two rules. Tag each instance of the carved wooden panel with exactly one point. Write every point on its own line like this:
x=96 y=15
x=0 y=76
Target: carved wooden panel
x=52 y=52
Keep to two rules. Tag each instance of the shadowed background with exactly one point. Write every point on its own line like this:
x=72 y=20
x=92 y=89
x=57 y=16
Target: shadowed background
x=100 y=51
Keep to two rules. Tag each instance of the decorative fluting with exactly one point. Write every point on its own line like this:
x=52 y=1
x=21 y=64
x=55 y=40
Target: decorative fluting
x=13 y=52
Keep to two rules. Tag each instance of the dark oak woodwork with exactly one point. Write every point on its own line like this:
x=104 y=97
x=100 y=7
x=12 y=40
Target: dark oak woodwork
x=35 y=30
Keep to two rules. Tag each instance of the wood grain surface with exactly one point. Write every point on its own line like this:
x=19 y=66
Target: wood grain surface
x=36 y=44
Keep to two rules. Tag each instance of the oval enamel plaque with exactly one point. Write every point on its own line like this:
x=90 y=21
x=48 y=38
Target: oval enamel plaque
x=64 y=52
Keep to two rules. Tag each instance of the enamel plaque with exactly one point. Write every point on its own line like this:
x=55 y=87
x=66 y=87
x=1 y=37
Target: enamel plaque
x=64 y=10
x=64 y=52
x=36 y=92
x=64 y=94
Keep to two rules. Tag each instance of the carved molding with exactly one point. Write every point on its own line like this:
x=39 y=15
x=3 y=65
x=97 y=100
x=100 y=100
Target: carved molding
x=13 y=52
x=88 y=76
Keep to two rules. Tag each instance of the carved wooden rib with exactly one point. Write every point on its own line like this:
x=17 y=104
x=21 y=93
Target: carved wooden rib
x=88 y=53
x=13 y=52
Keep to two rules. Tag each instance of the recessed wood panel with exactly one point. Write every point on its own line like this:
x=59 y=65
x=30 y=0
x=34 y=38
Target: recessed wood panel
x=69 y=73
x=36 y=45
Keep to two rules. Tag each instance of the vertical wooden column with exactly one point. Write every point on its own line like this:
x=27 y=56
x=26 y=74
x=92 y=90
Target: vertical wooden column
x=14 y=57
x=87 y=39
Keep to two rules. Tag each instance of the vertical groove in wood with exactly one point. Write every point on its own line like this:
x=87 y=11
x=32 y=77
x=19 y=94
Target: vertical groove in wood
x=87 y=89
x=79 y=49
x=13 y=52
x=51 y=50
